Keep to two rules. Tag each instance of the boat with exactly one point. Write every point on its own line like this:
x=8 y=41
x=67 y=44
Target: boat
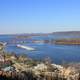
x=26 y=47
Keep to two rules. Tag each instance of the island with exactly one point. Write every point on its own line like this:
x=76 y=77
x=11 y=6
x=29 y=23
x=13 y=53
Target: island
x=68 y=41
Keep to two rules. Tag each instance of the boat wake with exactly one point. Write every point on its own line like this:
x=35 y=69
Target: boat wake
x=26 y=47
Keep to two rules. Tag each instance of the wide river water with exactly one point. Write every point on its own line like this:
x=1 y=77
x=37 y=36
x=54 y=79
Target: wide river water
x=57 y=53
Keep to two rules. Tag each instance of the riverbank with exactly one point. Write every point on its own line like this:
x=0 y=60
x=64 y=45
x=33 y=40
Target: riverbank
x=13 y=67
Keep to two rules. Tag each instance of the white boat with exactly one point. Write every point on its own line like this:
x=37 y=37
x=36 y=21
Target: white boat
x=25 y=47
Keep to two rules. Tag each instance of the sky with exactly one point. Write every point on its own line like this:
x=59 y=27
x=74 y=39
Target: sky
x=39 y=16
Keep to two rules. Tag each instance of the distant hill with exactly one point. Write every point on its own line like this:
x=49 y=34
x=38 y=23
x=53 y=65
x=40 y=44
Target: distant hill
x=67 y=33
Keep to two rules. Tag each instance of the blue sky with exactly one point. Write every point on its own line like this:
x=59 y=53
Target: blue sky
x=32 y=16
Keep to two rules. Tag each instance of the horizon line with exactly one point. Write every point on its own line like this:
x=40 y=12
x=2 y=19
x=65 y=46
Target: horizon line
x=38 y=32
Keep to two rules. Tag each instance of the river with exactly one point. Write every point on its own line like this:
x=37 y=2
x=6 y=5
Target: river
x=57 y=53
